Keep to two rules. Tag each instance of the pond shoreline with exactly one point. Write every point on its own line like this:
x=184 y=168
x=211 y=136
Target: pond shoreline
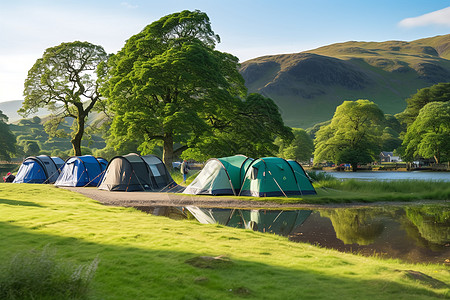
x=155 y=199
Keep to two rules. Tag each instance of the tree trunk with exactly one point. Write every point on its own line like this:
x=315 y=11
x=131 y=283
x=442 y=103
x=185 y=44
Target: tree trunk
x=168 y=150
x=354 y=167
x=76 y=141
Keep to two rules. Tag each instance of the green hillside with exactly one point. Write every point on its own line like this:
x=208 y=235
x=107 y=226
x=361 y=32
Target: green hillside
x=308 y=86
x=9 y=108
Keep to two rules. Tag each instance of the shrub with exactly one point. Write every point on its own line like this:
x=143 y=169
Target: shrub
x=39 y=275
x=320 y=176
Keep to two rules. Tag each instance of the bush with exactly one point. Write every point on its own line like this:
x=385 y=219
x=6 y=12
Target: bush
x=39 y=275
x=320 y=176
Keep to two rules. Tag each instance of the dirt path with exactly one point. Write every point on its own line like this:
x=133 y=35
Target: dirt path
x=149 y=199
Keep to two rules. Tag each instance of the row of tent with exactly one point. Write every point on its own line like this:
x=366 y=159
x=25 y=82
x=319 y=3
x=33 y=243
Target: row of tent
x=235 y=175
x=243 y=176
x=131 y=172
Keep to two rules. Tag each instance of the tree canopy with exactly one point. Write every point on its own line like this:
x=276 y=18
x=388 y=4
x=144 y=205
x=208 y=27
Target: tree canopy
x=168 y=86
x=429 y=135
x=437 y=93
x=353 y=136
x=7 y=139
x=64 y=81
x=300 y=148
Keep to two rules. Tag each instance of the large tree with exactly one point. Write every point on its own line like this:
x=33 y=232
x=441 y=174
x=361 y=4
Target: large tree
x=437 y=93
x=353 y=136
x=169 y=86
x=65 y=81
x=429 y=135
x=7 y=139
x=300 y=148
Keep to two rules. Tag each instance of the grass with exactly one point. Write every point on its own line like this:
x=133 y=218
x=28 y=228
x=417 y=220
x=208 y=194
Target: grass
x=148 y=257
x=39 y=275
x=351 y=191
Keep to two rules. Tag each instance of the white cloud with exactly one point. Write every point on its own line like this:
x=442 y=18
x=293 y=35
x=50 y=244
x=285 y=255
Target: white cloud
x=128 y=5
x=439 y=17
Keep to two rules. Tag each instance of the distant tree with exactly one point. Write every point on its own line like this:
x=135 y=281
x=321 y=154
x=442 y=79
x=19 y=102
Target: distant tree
x=31 y=148
x=64 y=81
x=7 y=139
x=429 y=135
x=353 y=136
x=300 y=148
x=168 y=85
x=436 y=93
x=36 y=120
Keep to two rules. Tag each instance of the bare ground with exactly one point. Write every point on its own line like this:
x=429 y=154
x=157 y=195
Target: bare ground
x=154 y=199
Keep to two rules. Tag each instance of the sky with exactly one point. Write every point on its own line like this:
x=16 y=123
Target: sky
x=247 y=28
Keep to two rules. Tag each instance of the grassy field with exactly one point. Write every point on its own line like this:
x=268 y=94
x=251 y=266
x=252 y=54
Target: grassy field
x=147 y=257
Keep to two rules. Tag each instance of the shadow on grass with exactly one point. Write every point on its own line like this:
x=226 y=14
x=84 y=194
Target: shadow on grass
x=127 y=272
x=17 y=202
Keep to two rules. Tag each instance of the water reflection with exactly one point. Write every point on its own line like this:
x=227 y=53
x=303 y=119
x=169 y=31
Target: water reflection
x=413 y=233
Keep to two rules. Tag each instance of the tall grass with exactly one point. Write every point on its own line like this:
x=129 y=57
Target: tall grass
x=40 y=275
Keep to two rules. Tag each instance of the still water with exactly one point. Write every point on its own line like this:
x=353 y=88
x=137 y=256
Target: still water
x=413 y=233
x=386 y=175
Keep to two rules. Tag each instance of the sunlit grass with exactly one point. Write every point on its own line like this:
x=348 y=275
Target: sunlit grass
x=144 y=257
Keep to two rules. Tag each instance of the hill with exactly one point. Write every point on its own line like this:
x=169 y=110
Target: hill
x=9 y=108
x=308 y=86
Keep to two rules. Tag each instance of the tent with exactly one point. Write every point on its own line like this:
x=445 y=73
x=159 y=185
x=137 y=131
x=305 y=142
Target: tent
x=274 y=176
x=83 y=170
x=220 y=176
x=133 y=172
x=39 y=169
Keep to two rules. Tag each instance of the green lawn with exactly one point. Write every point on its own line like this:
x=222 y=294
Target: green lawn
x=145 y=257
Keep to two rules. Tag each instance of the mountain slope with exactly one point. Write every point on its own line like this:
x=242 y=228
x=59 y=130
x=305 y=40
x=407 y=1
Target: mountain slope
x=308 y=86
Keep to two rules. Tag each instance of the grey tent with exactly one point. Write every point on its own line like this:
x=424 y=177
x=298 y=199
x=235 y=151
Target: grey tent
x=133 y=172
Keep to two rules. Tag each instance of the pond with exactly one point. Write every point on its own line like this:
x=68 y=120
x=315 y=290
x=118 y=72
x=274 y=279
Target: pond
x=387 y=175
x=413 y=233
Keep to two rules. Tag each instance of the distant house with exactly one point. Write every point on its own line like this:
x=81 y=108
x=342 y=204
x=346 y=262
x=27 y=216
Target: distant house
x=389 y=157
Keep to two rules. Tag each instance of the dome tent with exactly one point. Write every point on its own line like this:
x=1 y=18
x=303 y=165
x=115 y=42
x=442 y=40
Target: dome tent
x=220 y=176
x=274 y=176
x=83 y=170
x=39 y=169
x=133 y=172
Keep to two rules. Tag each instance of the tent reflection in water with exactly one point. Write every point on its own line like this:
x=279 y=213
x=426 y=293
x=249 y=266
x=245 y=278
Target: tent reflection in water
x=39 y=169
x=272 y=221
x=242 y=176
x=85 y=170
x=133 y=172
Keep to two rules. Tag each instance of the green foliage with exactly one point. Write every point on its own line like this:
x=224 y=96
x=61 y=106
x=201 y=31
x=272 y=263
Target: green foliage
x=7 y=139
x=168 y=85
x=299 y=149
x=433 y=223
x=429 y=135
x=320 y=176
x=64 y=81
x=437 y=93
x=251 y=131
x=31 y=148
x=40 y=275
x=353 y=136
x=354 y=225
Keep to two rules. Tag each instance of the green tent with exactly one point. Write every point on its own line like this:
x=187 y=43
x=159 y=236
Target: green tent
x=274 y=176
x=220 y=176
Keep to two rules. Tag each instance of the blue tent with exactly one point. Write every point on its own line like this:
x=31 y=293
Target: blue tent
x=83 y=170
x=39 y=169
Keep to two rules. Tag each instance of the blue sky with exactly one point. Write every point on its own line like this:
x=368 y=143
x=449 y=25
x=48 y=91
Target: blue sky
x=248 y=28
